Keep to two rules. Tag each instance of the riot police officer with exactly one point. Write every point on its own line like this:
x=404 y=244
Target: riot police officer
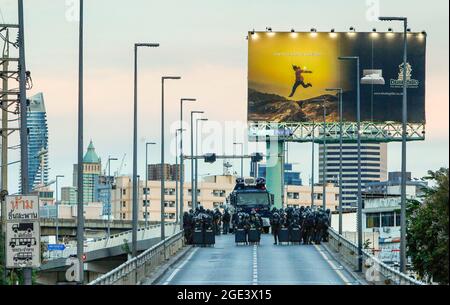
x=275 y=223
x=226 y=221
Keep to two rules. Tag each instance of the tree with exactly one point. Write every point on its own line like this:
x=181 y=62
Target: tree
x=427 y=230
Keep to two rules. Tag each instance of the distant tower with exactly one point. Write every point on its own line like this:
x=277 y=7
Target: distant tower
x=92 y=168
x=37 y=142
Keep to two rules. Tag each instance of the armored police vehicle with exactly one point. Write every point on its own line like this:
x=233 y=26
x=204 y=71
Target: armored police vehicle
x=252 y=194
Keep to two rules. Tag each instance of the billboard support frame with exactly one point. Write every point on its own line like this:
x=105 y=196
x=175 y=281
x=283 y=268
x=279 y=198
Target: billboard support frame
x=382 y=132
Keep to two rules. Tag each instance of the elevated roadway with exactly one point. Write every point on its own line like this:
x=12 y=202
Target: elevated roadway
x=266 y=264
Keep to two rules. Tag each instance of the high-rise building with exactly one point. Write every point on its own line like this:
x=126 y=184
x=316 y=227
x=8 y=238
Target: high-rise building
x=170 y=172
x=373 y=167
x=69 y=195
x=37 y=142
x=92 y=167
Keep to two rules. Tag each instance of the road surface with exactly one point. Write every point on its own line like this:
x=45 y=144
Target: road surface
x=266 y=264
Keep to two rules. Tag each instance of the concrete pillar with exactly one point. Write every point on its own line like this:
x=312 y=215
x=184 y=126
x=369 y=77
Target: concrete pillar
x=274 y=163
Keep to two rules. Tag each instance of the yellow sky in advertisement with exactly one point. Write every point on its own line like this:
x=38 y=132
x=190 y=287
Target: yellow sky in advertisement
x=273 y=55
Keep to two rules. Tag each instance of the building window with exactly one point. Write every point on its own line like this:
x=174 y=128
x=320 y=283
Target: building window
x=169 y=191
x=123 y=215
x=218 y=193
x=373 y=220
x=124 y=204
x=293 y=195
x=146 y=191
x=169 y=215
x=169 y=204
x=218 y=204
x=146 y=203
x=124 y=192
x=387 y=219
x=397 y=218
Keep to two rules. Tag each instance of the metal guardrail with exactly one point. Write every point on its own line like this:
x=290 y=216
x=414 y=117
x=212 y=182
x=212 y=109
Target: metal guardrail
x=135 y=270
x=375 y=270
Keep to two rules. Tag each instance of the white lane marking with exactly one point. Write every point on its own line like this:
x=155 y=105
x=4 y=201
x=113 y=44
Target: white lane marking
x=255 y=265
x=333 y=266
x=179 y=267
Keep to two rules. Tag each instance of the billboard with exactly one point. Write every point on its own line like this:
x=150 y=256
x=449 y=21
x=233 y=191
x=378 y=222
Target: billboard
x=289 y=72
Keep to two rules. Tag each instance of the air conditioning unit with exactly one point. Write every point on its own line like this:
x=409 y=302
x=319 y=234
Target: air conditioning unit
x=387 y=230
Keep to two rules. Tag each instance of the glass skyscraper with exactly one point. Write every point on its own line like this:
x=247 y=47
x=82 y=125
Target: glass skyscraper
x=37 y=142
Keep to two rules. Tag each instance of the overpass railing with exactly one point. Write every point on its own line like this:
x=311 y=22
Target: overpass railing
x=114 y=240
x=375 y=271
x=136 y=269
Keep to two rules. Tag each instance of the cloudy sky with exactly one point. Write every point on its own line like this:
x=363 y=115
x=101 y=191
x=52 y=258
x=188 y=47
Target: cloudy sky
x=204 y=42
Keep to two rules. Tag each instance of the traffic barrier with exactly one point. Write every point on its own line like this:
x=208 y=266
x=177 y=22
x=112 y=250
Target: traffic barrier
x=136 y=269
x=376 y=272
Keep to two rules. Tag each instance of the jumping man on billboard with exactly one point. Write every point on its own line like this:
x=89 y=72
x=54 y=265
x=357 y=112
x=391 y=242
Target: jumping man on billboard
x=299 y=80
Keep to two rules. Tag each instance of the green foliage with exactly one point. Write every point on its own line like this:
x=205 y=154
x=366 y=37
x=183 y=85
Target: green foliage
x=427 y=230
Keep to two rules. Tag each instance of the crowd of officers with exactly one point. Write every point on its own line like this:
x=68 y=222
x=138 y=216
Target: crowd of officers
x=312 y=223
x=202 y=220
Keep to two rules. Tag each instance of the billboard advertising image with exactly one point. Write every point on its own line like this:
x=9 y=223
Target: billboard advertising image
x=288 y=74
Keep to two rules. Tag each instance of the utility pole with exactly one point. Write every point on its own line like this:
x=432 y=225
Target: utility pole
x=23 y=121
x=4 y=133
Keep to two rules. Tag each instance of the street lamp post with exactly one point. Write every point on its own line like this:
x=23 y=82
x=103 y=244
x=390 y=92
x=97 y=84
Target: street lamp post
x=242 y=159
x=312 y=164
x=404 y=122
x=196 y=154
x=109 y=197
x=324 y=158
x=358 y=132
x=193 y=196
x=163 y=236
x=57 y=207
x=146 y=182
x=135 y=180
x=80 y=199
x=340 y=154
x=182 y=159
x=177 y=175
